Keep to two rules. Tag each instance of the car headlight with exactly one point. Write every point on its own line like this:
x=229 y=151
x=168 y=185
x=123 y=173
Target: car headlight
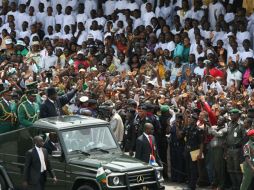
x=116 y=180
x=158 y=174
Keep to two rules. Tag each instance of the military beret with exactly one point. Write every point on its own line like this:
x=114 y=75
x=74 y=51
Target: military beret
x=32 y=85
x=250 y=132
x=32 y=92
x=164 y=108
x=235 y=110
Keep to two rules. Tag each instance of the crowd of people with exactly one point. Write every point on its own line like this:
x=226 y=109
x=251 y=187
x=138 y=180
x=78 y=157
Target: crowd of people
x=180 y=70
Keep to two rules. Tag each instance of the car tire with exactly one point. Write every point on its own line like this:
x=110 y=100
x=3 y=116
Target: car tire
x=85 y=187
x=2 y=183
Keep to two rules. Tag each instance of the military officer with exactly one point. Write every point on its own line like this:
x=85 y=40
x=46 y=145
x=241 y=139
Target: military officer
x=234 y=139
x=217 y=151
x=28 y=110
x=248 y=166
x=8 y=117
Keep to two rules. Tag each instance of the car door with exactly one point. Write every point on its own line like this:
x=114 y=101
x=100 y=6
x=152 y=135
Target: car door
x=58 y=164
x=15 y=145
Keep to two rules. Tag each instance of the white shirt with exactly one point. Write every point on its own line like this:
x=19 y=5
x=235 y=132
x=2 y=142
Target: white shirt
x=199 y=71
x=82 y=18
x=231 y=76
x=49 y=21
x=42 y=159
x=90 y=5
x=48 y=61
x=82 y=37
x=22 y=17
x=40 y=17
x=68 y=20
x=147 y=18
x=214 y=11
x=59 y=19
x=109 y=7
x=121 y=4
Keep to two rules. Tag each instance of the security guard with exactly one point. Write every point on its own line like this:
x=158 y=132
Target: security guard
x=248 y=166
x=141 y=119
x=177 y=146
x=28 y=110
x=193 y=137
x=8 y=117
x=234 y=139
x=217 y=151
x=130 y=132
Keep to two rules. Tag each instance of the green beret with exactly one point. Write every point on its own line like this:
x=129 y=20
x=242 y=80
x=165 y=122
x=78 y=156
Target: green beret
x=33 y=92
x=164 y=108
x=235 y=110
x=32 y=85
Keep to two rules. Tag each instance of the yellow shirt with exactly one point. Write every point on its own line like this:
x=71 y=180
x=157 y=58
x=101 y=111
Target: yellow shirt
x=162 y=70
x=249 y=6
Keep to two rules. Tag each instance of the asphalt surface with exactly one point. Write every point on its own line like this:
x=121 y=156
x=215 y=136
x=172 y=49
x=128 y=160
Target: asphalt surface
x=175 y=186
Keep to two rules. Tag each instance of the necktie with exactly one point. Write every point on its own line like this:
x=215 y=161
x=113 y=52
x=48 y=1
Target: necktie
x=57 y=109
x=151 y=143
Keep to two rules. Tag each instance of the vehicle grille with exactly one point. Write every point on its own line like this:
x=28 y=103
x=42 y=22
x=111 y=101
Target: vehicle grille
x=147 y=176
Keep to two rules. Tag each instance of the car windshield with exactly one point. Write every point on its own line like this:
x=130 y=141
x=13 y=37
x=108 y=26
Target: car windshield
x=86 y=139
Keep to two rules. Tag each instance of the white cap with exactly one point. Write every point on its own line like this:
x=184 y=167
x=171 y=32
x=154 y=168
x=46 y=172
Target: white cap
x=80 y=52
x=83 y=99
x=20 y=42
x=8 y=41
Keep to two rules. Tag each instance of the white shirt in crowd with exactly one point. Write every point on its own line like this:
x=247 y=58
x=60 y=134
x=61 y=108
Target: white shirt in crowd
x=233 y=76
x=215 y=10
x=47 y=62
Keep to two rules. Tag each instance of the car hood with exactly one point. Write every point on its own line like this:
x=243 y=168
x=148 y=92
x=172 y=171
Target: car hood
x=116 y=162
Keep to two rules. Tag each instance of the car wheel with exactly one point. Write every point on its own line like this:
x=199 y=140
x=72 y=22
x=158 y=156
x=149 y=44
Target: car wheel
x=2 y=183
x=85 y=187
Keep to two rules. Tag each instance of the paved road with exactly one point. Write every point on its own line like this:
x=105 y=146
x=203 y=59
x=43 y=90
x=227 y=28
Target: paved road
x=174 y=186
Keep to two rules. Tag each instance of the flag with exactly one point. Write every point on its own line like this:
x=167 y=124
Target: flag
x=101 y=175
x=152 y=161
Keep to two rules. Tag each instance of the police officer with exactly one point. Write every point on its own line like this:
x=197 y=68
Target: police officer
x=193 y=136
x=8 y=117
x=217 y=151
x=141 y=119
x=177 y=145
x=248 y=166
x=130 y=132
x=234 y=140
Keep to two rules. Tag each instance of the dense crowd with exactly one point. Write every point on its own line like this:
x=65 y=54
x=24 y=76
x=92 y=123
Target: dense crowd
x=186 y=67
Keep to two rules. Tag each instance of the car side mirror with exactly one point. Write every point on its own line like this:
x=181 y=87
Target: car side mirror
x=56 y=154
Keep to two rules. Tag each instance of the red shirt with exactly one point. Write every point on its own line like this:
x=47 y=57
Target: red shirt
x=215 y=72
x=77 y=63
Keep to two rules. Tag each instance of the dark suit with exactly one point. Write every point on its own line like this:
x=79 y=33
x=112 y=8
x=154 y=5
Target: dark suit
x=32 y=172
x=143 y=149
x=50 y=109
x=50 y=147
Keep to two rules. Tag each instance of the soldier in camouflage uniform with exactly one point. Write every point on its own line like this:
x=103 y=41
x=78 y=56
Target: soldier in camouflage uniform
x=248 y=166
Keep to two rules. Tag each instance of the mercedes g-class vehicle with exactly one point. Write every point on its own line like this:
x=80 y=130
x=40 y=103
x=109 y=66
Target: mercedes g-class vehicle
x=85 y=144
